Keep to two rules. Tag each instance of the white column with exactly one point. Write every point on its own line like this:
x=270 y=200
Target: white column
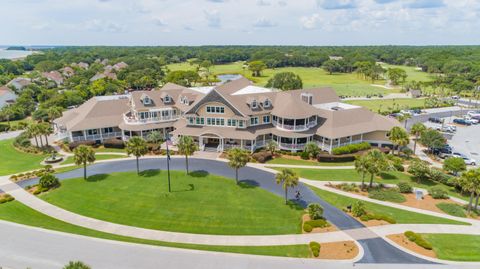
x=361 y=137
x=263 y=140
x=350 y=139
x=84 y=135
x=323 y=142
x=141 y=134
x=294 y=123
x=241 y=143
x=123 y=135
x=101 y=135
x=331 y=145
x=339 y=141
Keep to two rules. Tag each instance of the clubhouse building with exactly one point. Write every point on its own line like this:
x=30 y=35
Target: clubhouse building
x=235 y=114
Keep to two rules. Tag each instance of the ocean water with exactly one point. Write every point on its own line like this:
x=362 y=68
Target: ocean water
x=12 y=54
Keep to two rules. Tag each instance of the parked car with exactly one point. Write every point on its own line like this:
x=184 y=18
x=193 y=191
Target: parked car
x=455 y=97
x=462 y=122
x=474 y=114
x=416 y=111
x=435 y=120
x=470 y=119
x=446 y=129
x=406 y=112
x=468 y=161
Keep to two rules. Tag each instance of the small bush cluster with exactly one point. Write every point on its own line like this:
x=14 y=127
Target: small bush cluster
x=304 y=155
x=315 y=211
x=6 y=198
x=315 y=248
x=114 y=143
x=418 y=239
x=351 y=148
x=73 y=145
x=373 y=216
x=262 y=156
x=391 y=195
x=349 y=187
x=48 y=181
x=421 y=171
x=404 y=187
x=22 y=142
x=358 y=209
x=309 y=225
x=33 y=174
x=438 y=193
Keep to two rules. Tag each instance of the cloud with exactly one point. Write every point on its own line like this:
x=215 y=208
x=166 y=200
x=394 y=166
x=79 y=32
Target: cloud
x=263 y=3
x=426 y=4
x=213 y=18
x=159 y=21
x=104 y=26
x=264 y=23
x=339 y=4
x=282 y=3
x=309 y=22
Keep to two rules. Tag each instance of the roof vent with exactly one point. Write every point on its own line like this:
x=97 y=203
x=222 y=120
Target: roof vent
x=307 y=98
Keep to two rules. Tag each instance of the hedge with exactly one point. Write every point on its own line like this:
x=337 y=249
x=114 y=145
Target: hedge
x=438 y=193
x=325 y=157
x=114 y=143
x=73 y=145
x=418 y=239
x=373 y=216
x=352 y=148
x=262 y=156
x=6 y=198
x=309 y=225
x=404 y=187
x=315 y=248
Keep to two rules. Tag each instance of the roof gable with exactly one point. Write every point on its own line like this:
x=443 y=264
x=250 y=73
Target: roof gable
x=214 y=96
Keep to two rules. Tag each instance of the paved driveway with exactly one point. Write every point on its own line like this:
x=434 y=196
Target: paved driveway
x=376 y=250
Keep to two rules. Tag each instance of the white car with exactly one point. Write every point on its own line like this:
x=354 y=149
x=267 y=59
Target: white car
x=468 y=161
x=471 y=120
x=473 y=114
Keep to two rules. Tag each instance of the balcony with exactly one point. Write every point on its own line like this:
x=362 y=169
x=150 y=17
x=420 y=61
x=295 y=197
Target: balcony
x=129 y=119
x=290 y=146
x=97 y=136
x=296 y=128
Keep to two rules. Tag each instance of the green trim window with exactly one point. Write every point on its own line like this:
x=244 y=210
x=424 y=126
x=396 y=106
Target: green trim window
x=266 y=119
x=231 y=122
x=254 y=121
x=215 y=109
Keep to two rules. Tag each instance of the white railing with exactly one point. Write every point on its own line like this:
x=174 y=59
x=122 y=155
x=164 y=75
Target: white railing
x=202 y=147
x=300 y=127
x=97 y=136
x=133 y=120
x=291 y=146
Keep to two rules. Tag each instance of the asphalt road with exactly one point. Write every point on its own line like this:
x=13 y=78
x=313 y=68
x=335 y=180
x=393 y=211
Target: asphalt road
x=376 y=250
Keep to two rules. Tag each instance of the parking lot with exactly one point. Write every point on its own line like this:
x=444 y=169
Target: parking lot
x=465 y=140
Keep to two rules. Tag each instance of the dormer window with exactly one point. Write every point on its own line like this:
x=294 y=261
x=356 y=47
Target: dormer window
x=307 y=98
x=146 y=100
x=167 y=99
x=254 y=104
x=184 y=100
x=267 y=103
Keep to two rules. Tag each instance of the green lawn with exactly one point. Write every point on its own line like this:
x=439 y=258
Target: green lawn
x=452 y=209
x=401 y=216
x=282 y=160
x=98 y=157
x=393 y=177
x=344 y=84
x=102 y=149
x=381 y=105
x=412 y=73
x=19 y=213
x=455 y=247
x=14 y=161
x=199 y=203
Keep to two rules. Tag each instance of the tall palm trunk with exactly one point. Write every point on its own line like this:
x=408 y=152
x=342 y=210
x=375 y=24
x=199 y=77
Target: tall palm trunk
x=36 y=140
x=41 y=141
x=286 y=195
x=363 y=180
x=371 y=180
x=46 y=140
x=186 y=162
x=415 y=145
x=476 y=202
x=84 y=170
x=469 y=208
x=138 y=168
x=236 y=175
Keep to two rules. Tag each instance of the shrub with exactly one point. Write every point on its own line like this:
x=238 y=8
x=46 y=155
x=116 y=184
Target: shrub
x=336 y=158
x=318 y=223
x=452 y=209
x=48 y=181
x=419 y=169
x=351 y=148
x=358 y=209
x=404 y=187
x=374 y=216
x=114 y=143
x=4 y=127
x=307 y=227
x=304 y=155
x=418 y=239
x=315 y=248
x=391 y=195
x=350 y=187
x=315 y=211
x=438 y=193
x=262 y=156
x=6 y=198
x=73 y=145
x=438 y=176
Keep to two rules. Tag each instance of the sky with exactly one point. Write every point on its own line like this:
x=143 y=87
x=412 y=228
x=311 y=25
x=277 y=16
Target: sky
x=240 y=22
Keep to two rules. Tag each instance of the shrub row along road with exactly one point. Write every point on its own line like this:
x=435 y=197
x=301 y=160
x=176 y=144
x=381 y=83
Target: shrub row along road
x=376 y=250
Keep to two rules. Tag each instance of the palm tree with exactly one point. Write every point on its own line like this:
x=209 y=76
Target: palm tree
x=45 y=129
x=312 y=149
x=376 y=163
x=83 y=155
x=137 y=147
x=272 y=147
x=32 y=132
x=470 y=182
x=237 y=158
x=187 y=147
x=54 y=112
x=399 y=137
x=361 y=165
x=155 y=137
x=417 y=130
x=288 y=179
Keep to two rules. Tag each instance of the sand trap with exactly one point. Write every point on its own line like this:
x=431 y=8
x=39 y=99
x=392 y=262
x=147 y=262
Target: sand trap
x=345 y=250
x=403 y=241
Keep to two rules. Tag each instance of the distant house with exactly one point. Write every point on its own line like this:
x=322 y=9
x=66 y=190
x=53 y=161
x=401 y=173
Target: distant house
x=7 y=96
x=119 y=66
x=105 y=74
x=19 y=83
x=415 y=93
x=335 y=58
x=81 y=65
x=54 y=76
x=67 y=71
